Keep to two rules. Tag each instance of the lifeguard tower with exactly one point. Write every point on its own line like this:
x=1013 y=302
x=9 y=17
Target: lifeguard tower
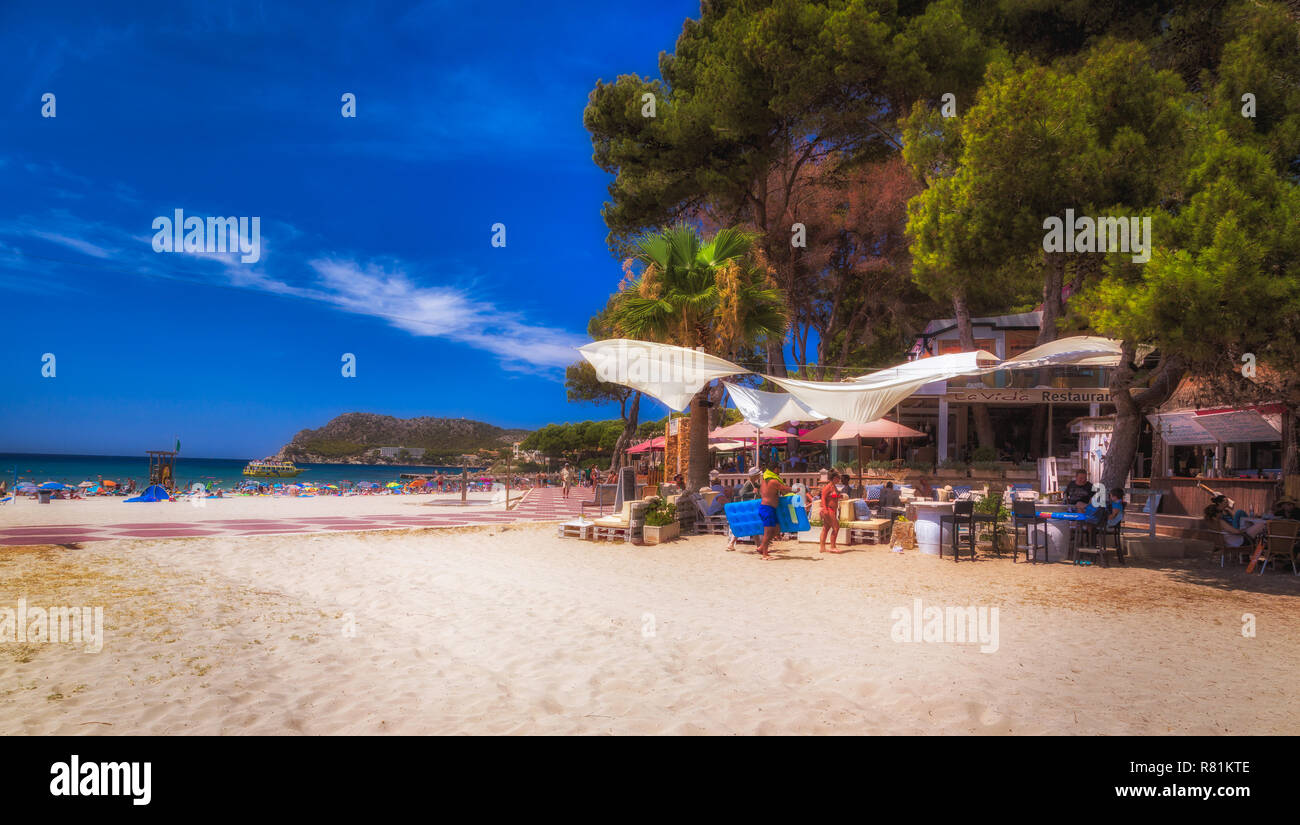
x=162 y=468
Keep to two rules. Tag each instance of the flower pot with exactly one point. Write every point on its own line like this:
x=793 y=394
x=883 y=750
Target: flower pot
x=658 y=534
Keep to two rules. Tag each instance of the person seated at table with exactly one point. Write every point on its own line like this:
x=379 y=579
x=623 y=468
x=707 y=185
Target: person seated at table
x=1221 y=518
x=923 y=488
x=1285 y=508
x=715 y=485
x=1079 y=493
x=1115 y=508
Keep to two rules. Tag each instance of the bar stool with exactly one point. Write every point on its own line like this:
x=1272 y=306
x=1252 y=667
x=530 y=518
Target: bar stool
x=963 y=515
x=1024 y=515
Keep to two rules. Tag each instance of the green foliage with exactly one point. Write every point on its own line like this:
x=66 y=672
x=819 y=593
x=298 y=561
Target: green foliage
x=575 y=441
x=660 y=513
x=983 y=455
x=953 y=464
x=992 y=505
x=332 y=448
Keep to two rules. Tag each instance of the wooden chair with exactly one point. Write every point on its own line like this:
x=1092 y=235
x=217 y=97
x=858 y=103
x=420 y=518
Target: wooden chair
x=1279 y=544
x=1221 y=547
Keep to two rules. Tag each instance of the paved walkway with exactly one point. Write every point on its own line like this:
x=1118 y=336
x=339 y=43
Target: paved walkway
x=544 y=504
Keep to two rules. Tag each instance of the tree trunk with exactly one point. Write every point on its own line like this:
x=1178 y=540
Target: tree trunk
x=625 y=437
x=697 y=474
x=1129 y=409
x=1290 y=456
x=983 y=423
x=776 y=357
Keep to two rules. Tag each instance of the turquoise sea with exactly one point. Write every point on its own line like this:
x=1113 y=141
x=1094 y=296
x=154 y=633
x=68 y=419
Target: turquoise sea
x=221 y=472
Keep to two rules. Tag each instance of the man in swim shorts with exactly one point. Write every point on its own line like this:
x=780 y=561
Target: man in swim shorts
x=772 y=490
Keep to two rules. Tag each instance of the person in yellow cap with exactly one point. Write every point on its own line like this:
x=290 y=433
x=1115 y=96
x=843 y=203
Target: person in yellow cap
x=773 y=489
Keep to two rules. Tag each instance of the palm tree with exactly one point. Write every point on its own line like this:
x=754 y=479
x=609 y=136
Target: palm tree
x=694 y=293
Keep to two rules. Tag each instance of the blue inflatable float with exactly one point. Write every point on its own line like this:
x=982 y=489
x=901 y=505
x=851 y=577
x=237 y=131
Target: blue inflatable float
x=742 y=516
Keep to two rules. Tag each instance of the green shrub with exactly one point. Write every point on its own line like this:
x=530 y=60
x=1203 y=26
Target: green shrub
x=660 y=513
x=983 y=454
x=953 y=464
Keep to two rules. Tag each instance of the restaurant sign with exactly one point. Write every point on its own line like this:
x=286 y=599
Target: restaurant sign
x=1077 y=395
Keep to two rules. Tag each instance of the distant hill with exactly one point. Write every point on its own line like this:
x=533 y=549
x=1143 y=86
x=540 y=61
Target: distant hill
x=352 y=438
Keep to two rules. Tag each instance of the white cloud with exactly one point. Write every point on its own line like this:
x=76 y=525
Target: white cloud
x=442 y=312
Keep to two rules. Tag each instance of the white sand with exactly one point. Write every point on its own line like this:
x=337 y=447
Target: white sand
x=114 y=510
x=492 y=630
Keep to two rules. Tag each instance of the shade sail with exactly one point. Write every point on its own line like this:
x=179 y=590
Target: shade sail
x=869 y=397
x=671 y=374
x=674 y=374
x=1078 y=351
x=767 y=408
x=925 y=370
x=840 y=431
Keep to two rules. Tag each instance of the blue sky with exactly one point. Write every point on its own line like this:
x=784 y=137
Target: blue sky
x=375 y=230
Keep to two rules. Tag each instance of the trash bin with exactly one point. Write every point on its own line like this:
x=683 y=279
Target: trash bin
x=43 y=496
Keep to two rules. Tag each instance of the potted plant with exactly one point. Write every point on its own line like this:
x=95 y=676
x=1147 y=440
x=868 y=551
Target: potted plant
x=992 y=505
x=661 y=522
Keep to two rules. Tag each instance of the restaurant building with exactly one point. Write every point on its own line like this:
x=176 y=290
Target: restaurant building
x=1014 y=398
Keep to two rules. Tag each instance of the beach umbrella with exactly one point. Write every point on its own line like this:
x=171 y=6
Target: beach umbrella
x=52 y=485
x=24 y=486
x=880 y=428
x=86 y=484
x=108 y=483
x=392 y=484
x=726 y=446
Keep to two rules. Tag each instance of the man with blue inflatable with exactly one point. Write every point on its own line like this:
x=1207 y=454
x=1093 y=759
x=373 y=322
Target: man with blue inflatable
x=772 y=490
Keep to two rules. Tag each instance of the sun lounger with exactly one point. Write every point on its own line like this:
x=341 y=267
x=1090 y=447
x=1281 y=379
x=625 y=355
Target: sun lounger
x=623 y=526
x=872 y=530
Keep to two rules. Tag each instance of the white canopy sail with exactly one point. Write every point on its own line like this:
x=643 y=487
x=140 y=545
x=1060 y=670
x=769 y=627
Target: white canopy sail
x=671 y=374
x=675 y=374
x=767 y=408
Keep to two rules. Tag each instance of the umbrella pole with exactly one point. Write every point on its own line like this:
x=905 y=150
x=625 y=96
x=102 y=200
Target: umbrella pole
x=860 y=463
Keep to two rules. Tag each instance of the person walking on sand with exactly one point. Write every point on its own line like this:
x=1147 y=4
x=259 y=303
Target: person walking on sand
x=830 y=496
x=566 y=480
x=772 y=490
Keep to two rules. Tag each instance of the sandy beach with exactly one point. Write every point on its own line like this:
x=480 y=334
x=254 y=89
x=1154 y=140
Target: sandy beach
x=509 y=629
